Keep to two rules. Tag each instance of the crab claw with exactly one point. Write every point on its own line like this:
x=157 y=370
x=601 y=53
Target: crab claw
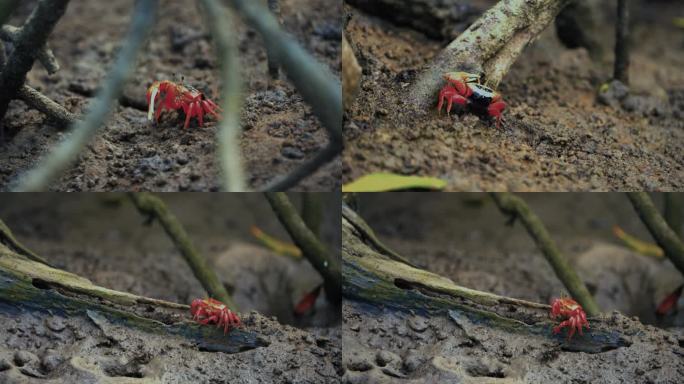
x=152 y=93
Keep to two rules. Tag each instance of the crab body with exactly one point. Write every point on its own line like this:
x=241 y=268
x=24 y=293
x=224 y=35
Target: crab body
x=465 y=89
x=169 y=95
x=210 y=311
x=572 y=313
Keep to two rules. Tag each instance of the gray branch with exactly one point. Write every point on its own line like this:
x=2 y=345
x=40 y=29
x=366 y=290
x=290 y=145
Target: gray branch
x=27 y=44
x=44 y=55
x=37 y=100
x=67 y=151
x=667 y=239
x=304 y=170
x=326 y=263
x=220 y=21
x=490 y=45
x=315 y=83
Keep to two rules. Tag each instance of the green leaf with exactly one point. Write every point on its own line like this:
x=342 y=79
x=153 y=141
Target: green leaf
x=382 y=182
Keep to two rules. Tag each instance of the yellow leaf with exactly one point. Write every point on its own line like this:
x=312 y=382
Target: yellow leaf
x=678 y=22
x=277 y=246
x=381 y=182
x=641 y=247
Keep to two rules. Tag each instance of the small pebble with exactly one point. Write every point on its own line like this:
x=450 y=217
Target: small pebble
x=358 y=363
x=50 y=361
x=292 y=153
x=55 y=324
x=412 y=360
x=418 y=323
x=385 y=357
x=22 y=358
x=4 y=365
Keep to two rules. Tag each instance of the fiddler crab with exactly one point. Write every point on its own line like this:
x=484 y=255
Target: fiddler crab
x=169 y=95
x=464 y=88
x=210 y=311
x=570 y=310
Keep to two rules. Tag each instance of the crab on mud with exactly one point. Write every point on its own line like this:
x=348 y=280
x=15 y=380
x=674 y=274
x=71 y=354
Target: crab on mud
x=169 y=95
x=210 y=311
x=570 y=310
x=464 y=88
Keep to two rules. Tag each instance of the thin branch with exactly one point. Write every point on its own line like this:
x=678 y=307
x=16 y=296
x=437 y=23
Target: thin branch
x=490 y=45
x=369 y=235
x=668 y=240
x=309 y=167
x=518 y=209
x=318 y=255
x=621 y=69
x=37 y=100
x=27 y=44
x=67 y=151
x=273 y=68
x=7 y=238
x=44 y=55
x=220 y=21
x=154 y=207
x=315 y=83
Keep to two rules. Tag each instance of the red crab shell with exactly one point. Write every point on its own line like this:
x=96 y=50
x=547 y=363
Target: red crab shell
x=210 y=311
x=570 y=310
x=169 y=95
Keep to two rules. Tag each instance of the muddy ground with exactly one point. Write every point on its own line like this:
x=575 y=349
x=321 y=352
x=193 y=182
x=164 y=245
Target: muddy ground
x=557 y=136
x=130 y=153
x=465 y=238
x=103 y=238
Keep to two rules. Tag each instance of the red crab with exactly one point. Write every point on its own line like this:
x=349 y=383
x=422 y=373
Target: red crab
x=569 y=309
x=465 y=89
x=210 y=311
x=177 y=96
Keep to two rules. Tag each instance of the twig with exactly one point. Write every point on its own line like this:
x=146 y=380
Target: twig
x=44 y=54
x=273 y=68
x=310 y=166
x=668 y=240
x=220 y=23
x=517 y=208
x=621 y=69
x=490 y=45
x=27 y=44
x=315 y=83
x=37 y=100
x=7 y=238
x=67 y=151
x=369 y=235
x=154 y=207
x=312 y=211
x=674 y=208
x=318 y=255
